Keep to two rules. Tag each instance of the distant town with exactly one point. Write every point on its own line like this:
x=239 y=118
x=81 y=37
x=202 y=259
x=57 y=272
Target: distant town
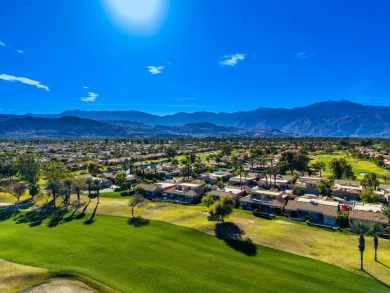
x=334 y=184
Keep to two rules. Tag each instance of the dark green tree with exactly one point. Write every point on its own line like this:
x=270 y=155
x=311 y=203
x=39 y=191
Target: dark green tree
x=170 y=152
x=341 y=169
x=370 y=180
x=319 y=166
x=322 y=189
x=222 y=207
x=208 y=200
x=368 y=195
x=28 y=168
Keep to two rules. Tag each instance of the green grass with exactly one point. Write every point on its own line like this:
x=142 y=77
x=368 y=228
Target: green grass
x=357 y=165
x=161 y=257
x=114 y=194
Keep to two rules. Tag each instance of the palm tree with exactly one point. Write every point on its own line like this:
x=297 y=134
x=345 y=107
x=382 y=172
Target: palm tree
x=68 y=183
x=386 y=212
x=77 y=189
x=370 y=180
x=361 y=227
x=89 y=182
x=319 y=166
x=245 y=175
x=375 y=230
x=96 y=185
x=53 y=186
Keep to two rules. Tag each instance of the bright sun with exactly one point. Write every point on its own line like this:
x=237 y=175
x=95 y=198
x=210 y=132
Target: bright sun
x=137 y=16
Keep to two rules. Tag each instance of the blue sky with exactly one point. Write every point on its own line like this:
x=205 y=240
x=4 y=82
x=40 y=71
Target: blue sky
x=167 y=56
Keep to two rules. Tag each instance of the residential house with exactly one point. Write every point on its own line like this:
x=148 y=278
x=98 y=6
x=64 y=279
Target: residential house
x=108 y=175
x=237 y=180
x=150 y=190
x=281 y=183
x=353 y=183
x=84 y=176
x=183 y=193
x=367 y=212
x=268 y=194
x=237 y=191
x=166 y=185
x=269 y=205
x=348 y=192
x=316 y=210
x=216 y=194
x=132 y=179
x=212 y=178
x=309 y=184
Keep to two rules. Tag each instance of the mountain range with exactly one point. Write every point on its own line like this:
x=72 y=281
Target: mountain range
x=331 y=118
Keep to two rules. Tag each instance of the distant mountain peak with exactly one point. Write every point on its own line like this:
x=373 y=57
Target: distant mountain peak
x=328 y=118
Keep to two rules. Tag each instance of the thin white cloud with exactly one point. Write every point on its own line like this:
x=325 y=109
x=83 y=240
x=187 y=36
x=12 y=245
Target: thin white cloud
x=155 y=69
x=304 y=55
x=91 y=97
x=231 y=60
x=24 y=80
x=85 y=87
x=12 y=48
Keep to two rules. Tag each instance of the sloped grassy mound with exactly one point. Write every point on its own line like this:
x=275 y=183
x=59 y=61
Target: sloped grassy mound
x=159 y=257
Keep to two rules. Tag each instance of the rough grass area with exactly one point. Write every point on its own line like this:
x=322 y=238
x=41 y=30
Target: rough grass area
x=358 y=166
x=161 y=257
x=15 y=277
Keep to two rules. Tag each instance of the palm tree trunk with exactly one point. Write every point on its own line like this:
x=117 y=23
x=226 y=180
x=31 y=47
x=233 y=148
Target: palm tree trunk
x=375 y=246
x=361 y=248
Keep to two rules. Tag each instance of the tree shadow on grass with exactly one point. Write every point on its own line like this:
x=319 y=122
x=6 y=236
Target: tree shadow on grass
x=7 y=212
x=37 y=216
x=72 y=216
x=233 y=236
x=82 y=214
x=138 y=222
x=383 y=264
x=91 y=219
x=57 y=216
x=384 y=284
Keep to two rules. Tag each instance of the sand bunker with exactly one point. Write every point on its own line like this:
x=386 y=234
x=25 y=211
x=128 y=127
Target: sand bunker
x=58 y=287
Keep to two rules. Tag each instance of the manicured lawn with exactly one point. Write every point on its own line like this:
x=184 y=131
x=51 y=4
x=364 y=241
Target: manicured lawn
x=114 y=194
x=334 y=247
x=161 y=257
x=357 y=165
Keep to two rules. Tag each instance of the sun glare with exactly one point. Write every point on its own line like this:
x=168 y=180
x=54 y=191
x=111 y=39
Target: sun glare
x=137 y=16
